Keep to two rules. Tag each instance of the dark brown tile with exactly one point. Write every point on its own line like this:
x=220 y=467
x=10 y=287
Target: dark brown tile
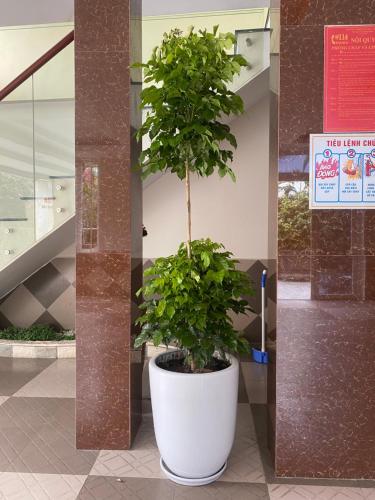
x=323 y=12
x=369 y=233
x=324 y=399
x=331 y=232
x=4 y=322
x=37 y=435
x=103 y=275
x=47 y=284
x=103 y=99
x=320 y=396
x=47 y=319
x=337 y=277
x=301 y=88
x=253 y=331
x=100 y=25
x=370 y=278
x=16 y=372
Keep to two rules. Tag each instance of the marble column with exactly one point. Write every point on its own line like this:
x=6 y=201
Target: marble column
x=324 y=420
x=109 y=222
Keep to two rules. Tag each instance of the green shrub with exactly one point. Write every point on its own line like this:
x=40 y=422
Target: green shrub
x=187 y=301
x=35 y=332
x=294 y=219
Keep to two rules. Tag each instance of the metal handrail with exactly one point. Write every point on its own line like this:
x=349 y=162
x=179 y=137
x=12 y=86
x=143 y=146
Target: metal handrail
x=39 y=63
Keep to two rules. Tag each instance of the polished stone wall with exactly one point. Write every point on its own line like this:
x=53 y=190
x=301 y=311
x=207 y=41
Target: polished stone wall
x=324 y=422
x=109 y=222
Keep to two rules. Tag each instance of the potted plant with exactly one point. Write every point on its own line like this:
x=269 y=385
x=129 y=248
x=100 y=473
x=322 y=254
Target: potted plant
x=188 y=296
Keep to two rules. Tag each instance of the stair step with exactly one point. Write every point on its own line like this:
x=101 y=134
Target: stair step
x=47 y=198
x=61 y=176
x=12 y=219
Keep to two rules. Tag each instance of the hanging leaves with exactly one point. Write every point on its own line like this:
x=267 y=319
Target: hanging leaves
x=189 y=76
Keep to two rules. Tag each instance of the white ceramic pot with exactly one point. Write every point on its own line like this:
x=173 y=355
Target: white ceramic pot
x=194 y=419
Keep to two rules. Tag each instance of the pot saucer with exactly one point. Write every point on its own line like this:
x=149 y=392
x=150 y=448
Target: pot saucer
x=187 y=481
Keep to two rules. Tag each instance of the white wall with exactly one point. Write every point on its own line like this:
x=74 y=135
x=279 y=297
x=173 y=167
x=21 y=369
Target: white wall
x=21 y=46
x=235 y=214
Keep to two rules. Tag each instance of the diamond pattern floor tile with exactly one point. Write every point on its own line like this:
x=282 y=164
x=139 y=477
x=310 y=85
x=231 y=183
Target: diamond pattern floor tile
x=141 y=461
x=56 y=381
x=100 y=488
x=3 y=399
x=23 y=486
x=223 y=491
x=16 y=372
x=97 y=487
x=255 y=378
x=244 y=464
x=38 y=435
x=303 y=492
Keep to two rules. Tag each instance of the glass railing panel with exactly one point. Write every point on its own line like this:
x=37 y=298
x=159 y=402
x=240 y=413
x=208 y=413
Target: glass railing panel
x=54 y=142
x=254 y=46
x=17 y=214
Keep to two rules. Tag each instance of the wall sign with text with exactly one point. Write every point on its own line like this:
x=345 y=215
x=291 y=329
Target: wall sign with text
x=349 y=79
x=342 y=171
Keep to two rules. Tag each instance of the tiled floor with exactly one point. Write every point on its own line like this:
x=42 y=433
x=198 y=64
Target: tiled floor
x=38 y=459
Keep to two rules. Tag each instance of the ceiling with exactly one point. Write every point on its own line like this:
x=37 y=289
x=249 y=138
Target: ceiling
x=20 y=12
x=164 y=7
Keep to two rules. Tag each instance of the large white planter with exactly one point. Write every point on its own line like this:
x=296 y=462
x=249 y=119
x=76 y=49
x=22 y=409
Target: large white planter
x=194 y=419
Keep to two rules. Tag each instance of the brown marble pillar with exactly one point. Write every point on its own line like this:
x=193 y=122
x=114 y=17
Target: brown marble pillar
x=272 y=215
x=109 y=222
x=325 y=375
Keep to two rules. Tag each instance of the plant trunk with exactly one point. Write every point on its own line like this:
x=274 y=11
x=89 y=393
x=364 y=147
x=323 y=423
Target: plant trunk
x=188 y=204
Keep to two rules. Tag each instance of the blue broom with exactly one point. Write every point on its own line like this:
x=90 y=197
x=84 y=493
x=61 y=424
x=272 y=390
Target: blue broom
x=261 y=356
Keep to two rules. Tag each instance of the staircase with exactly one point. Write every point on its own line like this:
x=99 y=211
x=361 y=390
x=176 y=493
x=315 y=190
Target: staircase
x=37 y=164
x=37 y=171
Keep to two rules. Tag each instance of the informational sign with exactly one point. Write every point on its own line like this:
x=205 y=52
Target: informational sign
x=342 y=171
x=349 y=79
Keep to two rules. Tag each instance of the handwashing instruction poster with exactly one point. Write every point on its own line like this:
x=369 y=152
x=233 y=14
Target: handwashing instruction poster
x=342 y=171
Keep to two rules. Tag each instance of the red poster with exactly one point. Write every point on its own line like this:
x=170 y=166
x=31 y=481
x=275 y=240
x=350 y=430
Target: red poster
x=349 y=78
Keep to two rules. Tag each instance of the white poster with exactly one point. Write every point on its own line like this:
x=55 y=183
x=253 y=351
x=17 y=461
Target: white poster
x=342 y=171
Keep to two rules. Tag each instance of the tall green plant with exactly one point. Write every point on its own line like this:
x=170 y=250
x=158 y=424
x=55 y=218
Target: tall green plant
x=188 y=96
x=188 y=296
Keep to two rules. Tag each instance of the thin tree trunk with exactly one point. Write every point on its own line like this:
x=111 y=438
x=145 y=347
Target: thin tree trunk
x=188 y=204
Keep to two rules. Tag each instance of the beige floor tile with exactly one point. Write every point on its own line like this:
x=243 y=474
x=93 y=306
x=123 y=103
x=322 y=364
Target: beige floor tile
x=16 y=372
x=100 y=488
x=56 y=381
x=3 y=399
x=37 y=435
x=244 y=464
x=255 y=378
x=24 y=486
x=141 y=461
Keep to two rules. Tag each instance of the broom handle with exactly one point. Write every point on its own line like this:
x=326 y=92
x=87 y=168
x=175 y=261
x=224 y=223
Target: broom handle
x=264 y=278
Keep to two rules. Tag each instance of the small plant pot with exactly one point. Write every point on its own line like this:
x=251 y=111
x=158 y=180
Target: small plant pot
x=194 y=419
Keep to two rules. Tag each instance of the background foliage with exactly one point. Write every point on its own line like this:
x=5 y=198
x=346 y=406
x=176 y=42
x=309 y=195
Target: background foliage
x=294 y=218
